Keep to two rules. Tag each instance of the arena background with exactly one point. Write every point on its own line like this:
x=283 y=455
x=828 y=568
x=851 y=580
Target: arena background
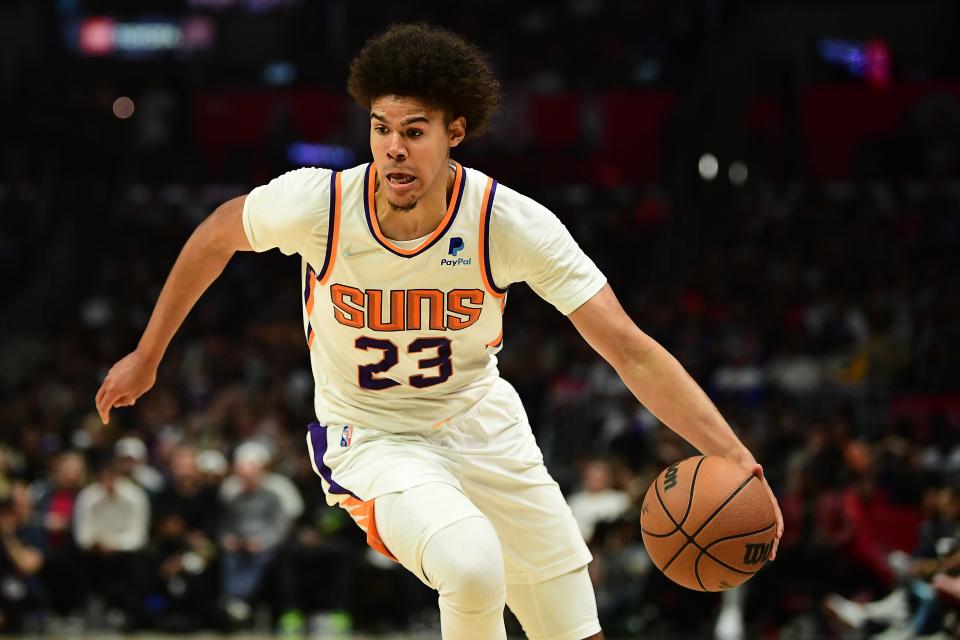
x=771 y=187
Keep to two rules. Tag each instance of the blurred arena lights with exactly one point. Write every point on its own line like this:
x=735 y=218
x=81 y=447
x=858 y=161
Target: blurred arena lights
x=869 y=60
x=123 y=107
x=279 y=73
x=708 y=166
x=107 y=36
x=253 y=6
x=738 y=173
x=320 y=155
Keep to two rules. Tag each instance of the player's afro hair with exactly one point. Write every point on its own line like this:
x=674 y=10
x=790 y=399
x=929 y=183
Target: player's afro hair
x=431 y=64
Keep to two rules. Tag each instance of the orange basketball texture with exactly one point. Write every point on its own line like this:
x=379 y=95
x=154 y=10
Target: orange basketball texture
x=707 y=523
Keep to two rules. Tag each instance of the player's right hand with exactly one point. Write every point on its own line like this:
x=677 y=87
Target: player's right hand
x=126 y=381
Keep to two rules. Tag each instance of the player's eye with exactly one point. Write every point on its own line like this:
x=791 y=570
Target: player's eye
x=380 y=129
x=414 y=133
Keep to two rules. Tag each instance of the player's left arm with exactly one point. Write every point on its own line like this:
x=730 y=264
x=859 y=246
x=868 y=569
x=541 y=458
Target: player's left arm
x=662 y=385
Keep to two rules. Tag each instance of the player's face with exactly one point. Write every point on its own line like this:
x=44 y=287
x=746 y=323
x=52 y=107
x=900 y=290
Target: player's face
x=411 y=142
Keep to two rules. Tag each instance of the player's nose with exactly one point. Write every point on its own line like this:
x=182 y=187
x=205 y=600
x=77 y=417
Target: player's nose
x=396 y=150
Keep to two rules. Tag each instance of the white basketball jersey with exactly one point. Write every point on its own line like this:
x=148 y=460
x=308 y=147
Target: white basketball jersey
x=402 y=338
x=403 y=335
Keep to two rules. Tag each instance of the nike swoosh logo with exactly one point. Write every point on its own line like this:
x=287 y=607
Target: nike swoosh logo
x=350 y=253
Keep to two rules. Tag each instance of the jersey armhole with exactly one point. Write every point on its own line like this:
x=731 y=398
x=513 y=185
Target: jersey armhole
x=486 y=213
x=311 y=277
x=333 y=233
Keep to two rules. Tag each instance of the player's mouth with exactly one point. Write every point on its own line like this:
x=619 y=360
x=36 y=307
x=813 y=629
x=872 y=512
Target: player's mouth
x=400 y=181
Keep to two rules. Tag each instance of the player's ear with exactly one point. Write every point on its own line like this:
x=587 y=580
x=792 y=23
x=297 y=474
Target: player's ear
x=457 y=130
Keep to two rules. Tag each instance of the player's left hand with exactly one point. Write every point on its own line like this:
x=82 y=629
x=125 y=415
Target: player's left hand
x=126 y=381
x=746 y=460
x=757 y=470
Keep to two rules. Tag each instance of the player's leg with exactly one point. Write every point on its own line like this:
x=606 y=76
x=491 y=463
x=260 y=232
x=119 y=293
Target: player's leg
x=403 y=493
x=561 y=608
x=548 y=587
x=501 y=471
x=443 y=539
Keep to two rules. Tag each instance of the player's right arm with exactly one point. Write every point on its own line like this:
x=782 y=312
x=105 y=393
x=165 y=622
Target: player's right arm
x=201 y=261
x=289 y=213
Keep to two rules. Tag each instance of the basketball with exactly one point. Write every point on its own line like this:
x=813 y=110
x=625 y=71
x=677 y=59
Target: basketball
x=707 y=523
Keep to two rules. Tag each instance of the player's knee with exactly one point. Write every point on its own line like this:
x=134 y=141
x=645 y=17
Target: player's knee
x=478 y=584
x=465 y=563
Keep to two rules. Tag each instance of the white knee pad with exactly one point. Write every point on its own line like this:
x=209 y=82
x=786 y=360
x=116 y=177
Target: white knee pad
x=562 y=608
x=440 y=536
x=465 y=564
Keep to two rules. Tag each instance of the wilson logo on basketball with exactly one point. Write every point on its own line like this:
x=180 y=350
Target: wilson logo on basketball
x=755 y=553
x=670 y=479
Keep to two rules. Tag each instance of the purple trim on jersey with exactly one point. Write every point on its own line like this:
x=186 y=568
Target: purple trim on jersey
x=486 y=239
x=318 y=438
x=332 y=222
x=306 y=298
x=367 y=213
x=306 y=283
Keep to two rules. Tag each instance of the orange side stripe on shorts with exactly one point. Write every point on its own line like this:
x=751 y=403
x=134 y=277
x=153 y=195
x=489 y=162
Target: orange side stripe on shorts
x=364 y=514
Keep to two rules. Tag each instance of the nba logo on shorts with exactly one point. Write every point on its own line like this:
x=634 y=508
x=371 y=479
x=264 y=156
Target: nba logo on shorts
x=346 y=436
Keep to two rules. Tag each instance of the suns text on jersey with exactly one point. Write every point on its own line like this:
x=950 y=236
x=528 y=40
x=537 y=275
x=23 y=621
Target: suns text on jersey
x=408 y=309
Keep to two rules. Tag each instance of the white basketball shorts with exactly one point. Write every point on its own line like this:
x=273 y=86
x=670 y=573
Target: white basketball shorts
x=488 y=453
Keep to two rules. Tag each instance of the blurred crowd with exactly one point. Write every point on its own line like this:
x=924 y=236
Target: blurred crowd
x=822 y=317
x=822 y=320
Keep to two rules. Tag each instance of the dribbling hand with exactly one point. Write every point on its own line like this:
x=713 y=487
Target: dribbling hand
x=126 y=381
x=757 y=470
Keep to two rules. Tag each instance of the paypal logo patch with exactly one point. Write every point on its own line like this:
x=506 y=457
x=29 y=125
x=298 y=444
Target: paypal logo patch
x=456 y=246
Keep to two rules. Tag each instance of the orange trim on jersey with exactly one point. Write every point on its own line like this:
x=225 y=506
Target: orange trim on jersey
x=334 y=239
x=441 y=228
x=496 y=341
x=484 y=206
x=365 y=515
x=311 y=287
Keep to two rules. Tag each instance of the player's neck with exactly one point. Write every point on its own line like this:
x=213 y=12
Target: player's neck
x=420 y=221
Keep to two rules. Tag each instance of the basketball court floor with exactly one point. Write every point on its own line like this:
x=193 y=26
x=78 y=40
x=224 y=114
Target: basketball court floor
x=330 y=636
x=217 y=636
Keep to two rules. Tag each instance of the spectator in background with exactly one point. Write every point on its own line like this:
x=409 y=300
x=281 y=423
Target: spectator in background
x=131 y=456
x=842 y=527
x=252 y=526
x=111 y=524
x=282 y=574
x=56 y=497
x=184 y=528
x=597 y=501
x=280 y=484
x=942 y=454
x=55 y=500
x=326 y=549
x=21 y=558
x=920 y=578
x=213 y=467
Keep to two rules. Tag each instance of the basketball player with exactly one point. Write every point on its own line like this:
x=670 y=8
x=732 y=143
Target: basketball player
x=406 y=262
